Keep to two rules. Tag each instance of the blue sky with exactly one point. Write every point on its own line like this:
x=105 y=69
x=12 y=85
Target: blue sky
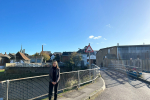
x=66 y=25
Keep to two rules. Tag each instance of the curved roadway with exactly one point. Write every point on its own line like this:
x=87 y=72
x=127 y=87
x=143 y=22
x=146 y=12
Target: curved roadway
x=122 y=87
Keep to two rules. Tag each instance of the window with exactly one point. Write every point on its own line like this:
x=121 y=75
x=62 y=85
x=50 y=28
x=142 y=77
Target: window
x=38 y=60
x=2 y=61
x=108 y=51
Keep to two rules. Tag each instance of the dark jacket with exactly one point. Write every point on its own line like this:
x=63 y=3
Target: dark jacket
x=57 y=75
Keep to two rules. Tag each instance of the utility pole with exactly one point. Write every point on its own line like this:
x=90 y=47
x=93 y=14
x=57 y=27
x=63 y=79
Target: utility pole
x=88 y=50
x=89 y=59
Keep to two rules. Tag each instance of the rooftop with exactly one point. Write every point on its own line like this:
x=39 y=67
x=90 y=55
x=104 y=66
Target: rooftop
x=66 y=53
x=128 y=46
x=23 y=56
x=2 y=55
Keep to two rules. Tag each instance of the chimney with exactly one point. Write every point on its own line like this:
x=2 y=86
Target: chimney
x=5 y=53
x=23 y=50
x=42 y=48
x=117 y=44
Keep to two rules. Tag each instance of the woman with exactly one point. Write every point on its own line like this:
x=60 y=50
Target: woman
x=54 y=76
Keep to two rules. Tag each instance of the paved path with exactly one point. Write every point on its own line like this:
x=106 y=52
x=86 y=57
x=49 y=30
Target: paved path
x=122 y=87
x=146 y=76
x=84 y=92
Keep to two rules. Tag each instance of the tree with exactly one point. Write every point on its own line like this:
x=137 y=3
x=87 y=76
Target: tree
x=75 y=59
x=68 y=66
x=36 y=55
x=57 y=58
x=45 y=55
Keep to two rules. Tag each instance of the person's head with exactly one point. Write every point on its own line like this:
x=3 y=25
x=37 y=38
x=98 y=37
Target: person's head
x=55 y=64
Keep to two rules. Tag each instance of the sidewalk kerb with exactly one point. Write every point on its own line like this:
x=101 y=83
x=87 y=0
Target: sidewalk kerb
x=96 y=92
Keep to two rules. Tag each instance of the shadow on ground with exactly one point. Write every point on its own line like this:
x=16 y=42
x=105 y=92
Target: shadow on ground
x=121 y=78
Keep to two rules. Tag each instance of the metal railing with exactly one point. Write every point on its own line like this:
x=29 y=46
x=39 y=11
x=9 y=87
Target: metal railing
x=132 y=70
x=38 y=86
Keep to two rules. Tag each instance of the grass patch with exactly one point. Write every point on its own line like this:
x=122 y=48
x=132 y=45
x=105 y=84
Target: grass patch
x=2 y=72
x=45 y=99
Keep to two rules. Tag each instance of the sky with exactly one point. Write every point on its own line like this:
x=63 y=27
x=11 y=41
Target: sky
x=67 y=25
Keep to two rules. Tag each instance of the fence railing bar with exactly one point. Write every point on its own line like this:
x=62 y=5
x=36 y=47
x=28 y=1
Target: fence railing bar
x=45 y=75
x=38 y=96
x=28 y=78
x=85 y=82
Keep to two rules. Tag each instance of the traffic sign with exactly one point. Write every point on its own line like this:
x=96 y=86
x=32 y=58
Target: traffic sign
x=89 y=49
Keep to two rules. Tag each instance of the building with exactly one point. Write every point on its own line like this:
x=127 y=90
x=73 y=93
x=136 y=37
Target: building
x=20 y=57
x=65 y=56
x=85 y=56
x=4 y=59
x=36 y=59
x=47 y=52
x=56 y=56
x=59 y=53
x=52 y=57
x=123 y=52
x=92 y=59
x=22 y=50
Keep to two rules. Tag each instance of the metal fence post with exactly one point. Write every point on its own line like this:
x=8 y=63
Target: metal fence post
x=7 y=89
x=78 y=78
x=93 y=74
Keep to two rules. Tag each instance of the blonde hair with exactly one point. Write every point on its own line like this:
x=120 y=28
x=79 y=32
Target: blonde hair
x=56 y=64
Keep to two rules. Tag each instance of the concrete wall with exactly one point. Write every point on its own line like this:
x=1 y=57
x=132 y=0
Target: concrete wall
x=10 y=64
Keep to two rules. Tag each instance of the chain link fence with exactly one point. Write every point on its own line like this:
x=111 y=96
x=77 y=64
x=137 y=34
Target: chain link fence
x=38 y=86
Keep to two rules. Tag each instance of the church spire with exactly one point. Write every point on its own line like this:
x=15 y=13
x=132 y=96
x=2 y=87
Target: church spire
x=21 y=48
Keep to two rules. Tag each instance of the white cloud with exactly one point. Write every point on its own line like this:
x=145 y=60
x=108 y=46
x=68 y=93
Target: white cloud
x=97 y=43
x=98 y=37
x=105 y=39
x=43 y=44
x=91 y=36
x=109 y=25
x=94 y=37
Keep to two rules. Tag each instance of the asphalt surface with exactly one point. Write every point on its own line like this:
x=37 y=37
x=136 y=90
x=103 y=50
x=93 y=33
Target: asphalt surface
x=122 y=87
